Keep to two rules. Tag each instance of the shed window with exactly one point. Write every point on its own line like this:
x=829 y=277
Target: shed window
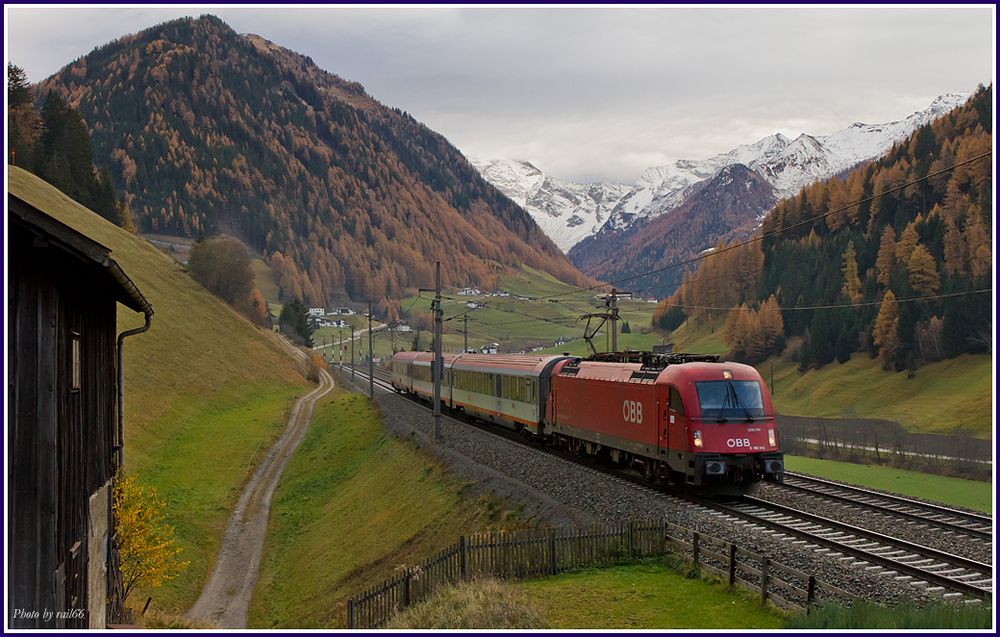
x=75 y=362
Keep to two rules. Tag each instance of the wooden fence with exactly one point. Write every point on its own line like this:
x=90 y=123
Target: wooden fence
x=542 y=552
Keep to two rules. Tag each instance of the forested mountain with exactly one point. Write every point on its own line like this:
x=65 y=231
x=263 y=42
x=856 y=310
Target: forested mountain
x=207 y=130
x=53 y=143
x=922 y=232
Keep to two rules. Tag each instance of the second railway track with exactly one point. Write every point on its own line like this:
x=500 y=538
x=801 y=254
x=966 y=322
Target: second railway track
x=948 y=520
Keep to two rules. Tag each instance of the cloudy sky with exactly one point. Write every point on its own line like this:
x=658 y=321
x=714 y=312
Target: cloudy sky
x=594 y=93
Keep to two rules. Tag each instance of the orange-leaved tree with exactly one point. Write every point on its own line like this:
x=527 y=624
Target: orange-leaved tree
x=149 y=553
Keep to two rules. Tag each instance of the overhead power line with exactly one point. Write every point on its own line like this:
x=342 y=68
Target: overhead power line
x=831 y=306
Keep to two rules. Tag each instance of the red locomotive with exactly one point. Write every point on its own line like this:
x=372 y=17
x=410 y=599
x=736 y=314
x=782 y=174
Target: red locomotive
x=685 y=418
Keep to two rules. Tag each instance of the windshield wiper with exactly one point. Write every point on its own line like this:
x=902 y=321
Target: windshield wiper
x=739 y=403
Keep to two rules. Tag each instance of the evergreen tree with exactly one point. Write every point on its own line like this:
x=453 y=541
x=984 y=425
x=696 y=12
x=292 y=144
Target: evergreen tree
x=18 y=111
x=18 y=89
x=294 y=322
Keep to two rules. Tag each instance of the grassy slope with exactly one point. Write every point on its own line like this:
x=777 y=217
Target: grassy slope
x=204 y=390
x=265 y=281
x=972 y=494
x=643 y=596
x=353 y=503
x=943 y=397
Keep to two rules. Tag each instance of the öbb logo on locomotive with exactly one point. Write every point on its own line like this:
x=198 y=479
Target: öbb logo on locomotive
x=686 y=419
x=632 y=411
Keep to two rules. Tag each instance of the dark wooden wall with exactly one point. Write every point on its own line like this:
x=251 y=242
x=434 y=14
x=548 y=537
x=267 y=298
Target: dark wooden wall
x=60 y=439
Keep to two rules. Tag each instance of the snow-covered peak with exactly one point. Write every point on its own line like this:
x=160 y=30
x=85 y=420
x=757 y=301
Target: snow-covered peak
x=569 y=212
x=517 y=179
x=566 y=211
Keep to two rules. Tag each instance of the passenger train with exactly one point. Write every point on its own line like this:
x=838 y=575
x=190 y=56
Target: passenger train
x=688 y=419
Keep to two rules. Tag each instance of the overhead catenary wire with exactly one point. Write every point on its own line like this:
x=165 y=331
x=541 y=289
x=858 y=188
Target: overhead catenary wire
x=831 y=306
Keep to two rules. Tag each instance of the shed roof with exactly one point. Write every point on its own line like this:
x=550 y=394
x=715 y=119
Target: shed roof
x=61 y=236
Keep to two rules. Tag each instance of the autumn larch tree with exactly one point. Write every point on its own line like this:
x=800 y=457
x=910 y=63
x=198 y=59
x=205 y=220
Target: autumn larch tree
x=923 y=272
x=885 y=334
x=886 y=256
x=852 y=282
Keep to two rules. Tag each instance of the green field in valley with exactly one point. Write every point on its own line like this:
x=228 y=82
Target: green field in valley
x=527 y=319
x=205 y=391
x=354 y=504
x=971 y=494
x=644 y=596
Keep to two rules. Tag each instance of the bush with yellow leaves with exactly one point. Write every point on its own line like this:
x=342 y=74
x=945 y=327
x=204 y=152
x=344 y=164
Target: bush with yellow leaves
x=149 y=553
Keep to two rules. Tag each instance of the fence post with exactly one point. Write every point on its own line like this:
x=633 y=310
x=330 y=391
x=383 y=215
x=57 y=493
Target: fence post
x=350 y=613
x=694 y=546
x=811 y=593
x=732 y=565
x=764 y=576
x=463 y=550
x=552 y=552
x=631 y=539
x=408 y=574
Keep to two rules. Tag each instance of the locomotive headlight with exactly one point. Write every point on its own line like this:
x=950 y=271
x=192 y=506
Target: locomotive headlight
x=697 y=438
x=771 y=438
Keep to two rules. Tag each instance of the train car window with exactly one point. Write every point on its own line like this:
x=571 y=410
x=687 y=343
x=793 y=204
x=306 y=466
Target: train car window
x=505 y=387
x=675 y=401
x=529 y=393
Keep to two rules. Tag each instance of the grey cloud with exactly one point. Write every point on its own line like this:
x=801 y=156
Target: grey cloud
x=596 y=93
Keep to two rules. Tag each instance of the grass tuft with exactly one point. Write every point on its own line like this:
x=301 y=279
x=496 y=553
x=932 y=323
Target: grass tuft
x=478 y=604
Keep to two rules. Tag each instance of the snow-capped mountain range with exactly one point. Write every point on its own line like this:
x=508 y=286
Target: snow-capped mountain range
x=566 y=211
x=569 y=212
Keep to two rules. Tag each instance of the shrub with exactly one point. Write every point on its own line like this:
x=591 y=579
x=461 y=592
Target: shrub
x=149 y=554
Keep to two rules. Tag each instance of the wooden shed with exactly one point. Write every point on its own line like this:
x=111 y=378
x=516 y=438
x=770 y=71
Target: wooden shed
x=63 y=444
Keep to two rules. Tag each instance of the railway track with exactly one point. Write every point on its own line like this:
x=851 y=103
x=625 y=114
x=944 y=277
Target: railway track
x=921 y=567
x=948 y=521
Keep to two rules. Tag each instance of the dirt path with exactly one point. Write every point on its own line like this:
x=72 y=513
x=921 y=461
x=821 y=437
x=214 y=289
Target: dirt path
x=225 y=600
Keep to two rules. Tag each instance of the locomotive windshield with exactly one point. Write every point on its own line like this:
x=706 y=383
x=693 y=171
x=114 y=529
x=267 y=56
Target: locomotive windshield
x=725 y=399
